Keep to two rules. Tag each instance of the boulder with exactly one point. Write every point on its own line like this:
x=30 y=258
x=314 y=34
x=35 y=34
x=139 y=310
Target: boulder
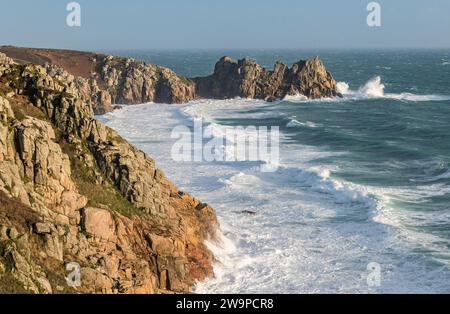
x=98 y=223
x=96 y=281
x=42 y=228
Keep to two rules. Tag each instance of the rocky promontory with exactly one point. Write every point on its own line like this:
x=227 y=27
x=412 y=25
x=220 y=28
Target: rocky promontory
x=73 y=192
x=248 y=79
x=103 y=80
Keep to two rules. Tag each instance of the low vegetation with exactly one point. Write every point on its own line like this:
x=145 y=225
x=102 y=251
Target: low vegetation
x=93 y=185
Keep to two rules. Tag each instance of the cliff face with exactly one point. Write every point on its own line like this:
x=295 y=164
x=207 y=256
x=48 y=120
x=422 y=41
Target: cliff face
x=105 y=80
x=132 y=82
x=72 y=190
x=127 y=81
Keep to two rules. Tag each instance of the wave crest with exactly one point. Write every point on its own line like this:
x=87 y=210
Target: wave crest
x=374 y=89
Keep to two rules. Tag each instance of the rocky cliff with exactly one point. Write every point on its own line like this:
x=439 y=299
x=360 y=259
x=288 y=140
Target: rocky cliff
x=248 y=79
x=72 y=190
x=105 y=80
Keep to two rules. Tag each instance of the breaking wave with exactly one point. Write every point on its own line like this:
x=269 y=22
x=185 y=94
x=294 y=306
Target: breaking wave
x=372 y=89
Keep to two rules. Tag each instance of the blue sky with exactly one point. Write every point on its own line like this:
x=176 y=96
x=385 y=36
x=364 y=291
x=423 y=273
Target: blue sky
x=203 y=24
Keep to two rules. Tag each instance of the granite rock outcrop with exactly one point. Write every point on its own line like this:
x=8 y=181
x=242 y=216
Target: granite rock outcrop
x=247 y=79
x=73 y=191
x=104 y=80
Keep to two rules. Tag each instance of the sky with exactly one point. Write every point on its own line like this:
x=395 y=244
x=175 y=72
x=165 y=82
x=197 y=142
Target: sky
x=221 y=24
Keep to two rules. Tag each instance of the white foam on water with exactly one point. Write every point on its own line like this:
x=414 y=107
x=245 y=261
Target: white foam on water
x=296 y=98
x=197 y=109
x=310 y=232
x=295 y=123
x=299 y=98
x=342 y=87
x=374 y=88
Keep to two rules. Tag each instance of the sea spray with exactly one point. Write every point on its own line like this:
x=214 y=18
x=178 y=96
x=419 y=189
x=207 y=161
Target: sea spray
x=373 y=88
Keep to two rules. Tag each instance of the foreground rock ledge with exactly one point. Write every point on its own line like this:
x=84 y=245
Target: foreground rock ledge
x=72 y=190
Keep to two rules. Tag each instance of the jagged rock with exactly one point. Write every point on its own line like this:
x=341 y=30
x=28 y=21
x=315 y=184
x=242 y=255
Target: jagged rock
x=10 y=170
x=5 y=110
x=54 y=246
x=47 y=166
x=42 y=228
x=108 y=80
x=16 y=250
x=53 y=153
x=89 y=90
x=248 y=79
x=165 y=245
x=98 y=282
x=5 y=62
x=130 y=82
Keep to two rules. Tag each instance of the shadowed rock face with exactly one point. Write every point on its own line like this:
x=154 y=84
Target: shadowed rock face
x=105 y=80
x=73 y=190
x=248 y=79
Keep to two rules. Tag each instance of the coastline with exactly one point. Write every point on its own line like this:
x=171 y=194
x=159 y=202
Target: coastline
x=335 y=224
x=108 y=187
x=89 y=200
x=104 y=80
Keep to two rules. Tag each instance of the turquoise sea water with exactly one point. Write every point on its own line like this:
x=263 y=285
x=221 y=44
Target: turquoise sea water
x=362 y=179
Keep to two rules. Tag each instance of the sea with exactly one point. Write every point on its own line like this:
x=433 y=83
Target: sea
x=360 y=199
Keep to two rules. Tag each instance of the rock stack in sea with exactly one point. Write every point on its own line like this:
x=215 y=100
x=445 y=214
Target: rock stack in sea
x=248 y=79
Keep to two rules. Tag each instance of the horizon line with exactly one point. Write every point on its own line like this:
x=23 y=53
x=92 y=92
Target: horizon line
x=220 y=49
